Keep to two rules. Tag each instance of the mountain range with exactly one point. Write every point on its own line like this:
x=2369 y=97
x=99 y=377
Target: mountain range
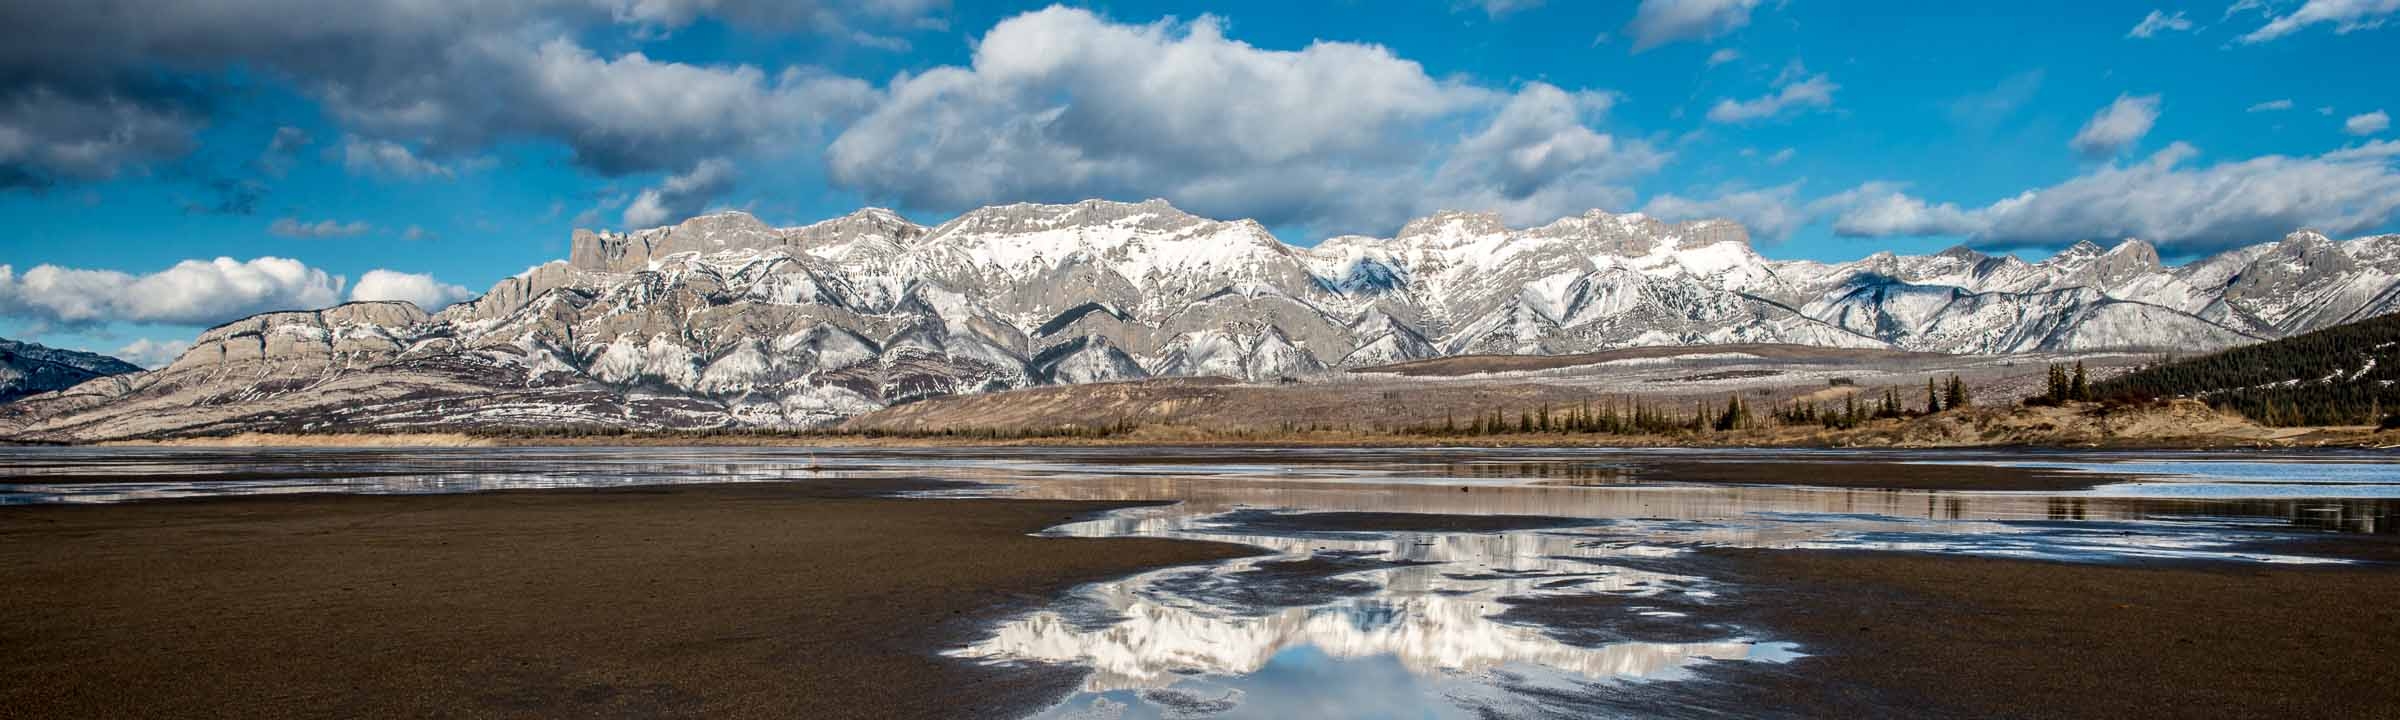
x=28 y=369
x=723 y=320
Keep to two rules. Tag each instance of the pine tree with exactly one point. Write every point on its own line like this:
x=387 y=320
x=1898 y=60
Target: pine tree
x=1733 y=414
x=1956 y=396
x=1933 y=400
x=2080 y=388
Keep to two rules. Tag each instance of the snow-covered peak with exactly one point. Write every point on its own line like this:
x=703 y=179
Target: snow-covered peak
x=1149 y=215
x=1451 y=228
x=2081 y=251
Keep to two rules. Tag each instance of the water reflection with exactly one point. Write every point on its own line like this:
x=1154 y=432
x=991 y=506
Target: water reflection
x=1425 y=603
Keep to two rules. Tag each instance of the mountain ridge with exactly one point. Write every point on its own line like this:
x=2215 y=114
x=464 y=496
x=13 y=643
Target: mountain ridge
x=724 y=320
x=31 y=368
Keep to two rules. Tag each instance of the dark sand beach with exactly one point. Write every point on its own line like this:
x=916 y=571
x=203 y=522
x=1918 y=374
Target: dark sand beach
x=782 y=601
x=822 y=600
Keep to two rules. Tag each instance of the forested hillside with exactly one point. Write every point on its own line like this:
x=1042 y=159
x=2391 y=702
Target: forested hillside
x=2342 y=375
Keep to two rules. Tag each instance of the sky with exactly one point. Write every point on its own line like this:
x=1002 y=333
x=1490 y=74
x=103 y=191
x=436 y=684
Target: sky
x=165 y=167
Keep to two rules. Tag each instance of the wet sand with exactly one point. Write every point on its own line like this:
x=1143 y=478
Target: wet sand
x=783 y=600
x=815 y=600
x=1917 y=635
x=1885 y=475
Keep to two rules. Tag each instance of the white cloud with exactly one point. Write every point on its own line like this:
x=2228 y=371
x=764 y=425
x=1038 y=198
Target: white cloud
x=193 y=292
x=424 y=290
x=86 y=91
x=1769 y=213
x=296 y=228
x=2272 y=105
x=151 y=354
x=1658 y=22
x=680 y=196
x=1723 y=55
x=1781 y=156
x=2346 y=16
x=1497 y=8
x=362 y=156
x=2161 y=199
x=1880 y=209
x=2157 y=21
x=2117 y=126
x=414 y=233
x=1794 y=91
x=2367 y=124
x=1537 y=160
x=1333 y=133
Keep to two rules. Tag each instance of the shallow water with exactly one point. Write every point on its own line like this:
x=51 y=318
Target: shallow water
x=1418 y=583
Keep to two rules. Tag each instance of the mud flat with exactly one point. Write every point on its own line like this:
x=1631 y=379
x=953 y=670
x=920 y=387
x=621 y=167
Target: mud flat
x=1278 y=583
x=778 y=600
x=1919 y=635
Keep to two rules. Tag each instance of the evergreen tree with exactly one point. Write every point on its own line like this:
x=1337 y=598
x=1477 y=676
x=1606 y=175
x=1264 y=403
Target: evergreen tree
x=1733 y=414
x=1955 y=396
x=2079 y=388
x=1933 y=400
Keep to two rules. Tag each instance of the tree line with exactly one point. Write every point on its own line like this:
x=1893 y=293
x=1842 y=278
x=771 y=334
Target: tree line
x=1636 y=416
x=2342 y=375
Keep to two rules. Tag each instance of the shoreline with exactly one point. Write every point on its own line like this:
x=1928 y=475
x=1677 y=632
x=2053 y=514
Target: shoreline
x=2297 y=439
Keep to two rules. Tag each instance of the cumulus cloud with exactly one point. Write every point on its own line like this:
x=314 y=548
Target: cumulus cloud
x=1723 y=55
x=193 y=292
x=297 y=228
x=679 y=196
x=1795 y=90
x=2117 y=126
x=2164 y=199
x=85 y=93
x=2272 y=106
x=1658 y=22
x=423 y=290
x=1769 y=213
x=1332 y=133
x=2346 y=16
x=151 y=354
x=2367 y=124
x=362 y=156
x=1880 y=209
x=2157 y=22
x=1538 y=160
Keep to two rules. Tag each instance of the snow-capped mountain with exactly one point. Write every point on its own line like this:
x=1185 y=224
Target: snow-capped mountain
x=723 y=319
x=28 y=368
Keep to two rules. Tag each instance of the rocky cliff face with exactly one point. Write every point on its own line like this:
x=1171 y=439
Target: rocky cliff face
x=723 y=320
x=30 y=369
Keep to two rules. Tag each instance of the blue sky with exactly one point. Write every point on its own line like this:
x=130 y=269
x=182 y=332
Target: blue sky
x=441 y=146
